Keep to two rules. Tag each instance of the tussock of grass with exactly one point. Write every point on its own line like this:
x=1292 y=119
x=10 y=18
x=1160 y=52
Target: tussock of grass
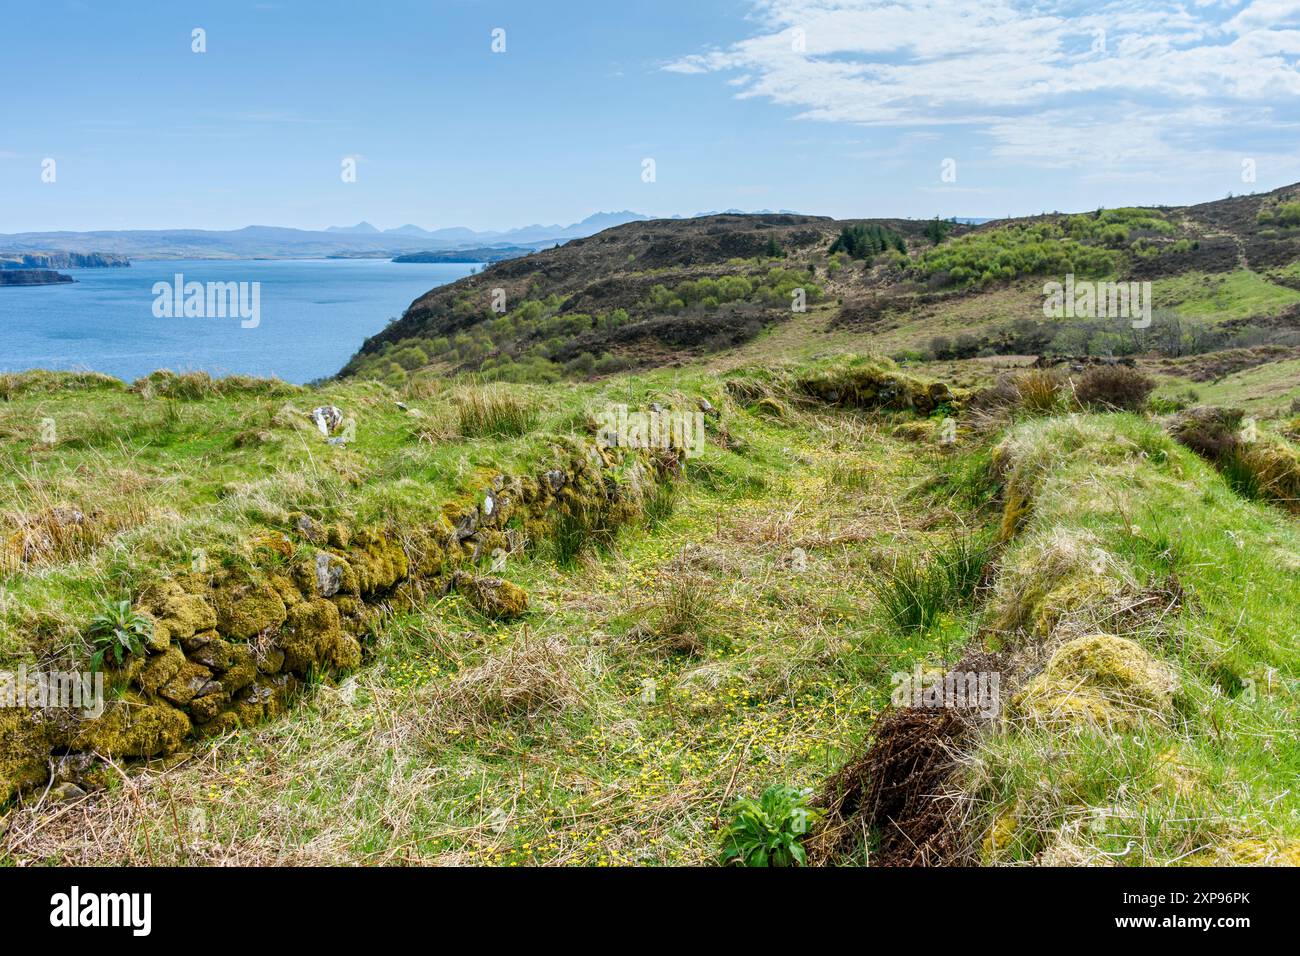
x=488 y=413
x=196 y=386
x=534 y=675
x=1039 y=391
x=680 y=616
x=915 y=593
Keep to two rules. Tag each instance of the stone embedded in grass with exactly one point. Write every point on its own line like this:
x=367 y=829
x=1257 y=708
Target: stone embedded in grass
x=495 y=598
x=327 y=419
x=1100 y=679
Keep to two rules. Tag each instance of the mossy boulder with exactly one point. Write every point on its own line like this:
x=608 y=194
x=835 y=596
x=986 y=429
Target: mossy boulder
x=209 y=649
x=134 y=727
x=208 y=704
x=286 y=587
x=379 y=562
x=243 y=669
x=1099 y=679
x=264 y=700
x=495 y=598
x=25 y=742
x=223 y=723
x=246 y=610
x=174 y=614
x=313 y=637
x=186 y=684
x=159 y=670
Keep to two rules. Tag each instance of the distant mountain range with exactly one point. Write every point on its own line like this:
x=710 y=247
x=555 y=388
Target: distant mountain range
x=274 y=242
x=525 y=234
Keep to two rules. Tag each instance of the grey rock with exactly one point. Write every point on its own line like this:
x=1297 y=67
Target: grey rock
x=327 y=419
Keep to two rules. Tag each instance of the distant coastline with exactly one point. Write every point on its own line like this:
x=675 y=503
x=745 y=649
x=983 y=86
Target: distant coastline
x=24 y=277
x=63 y=259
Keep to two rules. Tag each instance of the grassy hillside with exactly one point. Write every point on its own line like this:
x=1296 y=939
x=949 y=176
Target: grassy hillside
x=428 y=612
x=740 y=628
x=655 y=293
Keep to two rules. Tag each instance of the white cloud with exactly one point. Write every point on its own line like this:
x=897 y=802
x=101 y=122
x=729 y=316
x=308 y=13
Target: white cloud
x=1120 y=84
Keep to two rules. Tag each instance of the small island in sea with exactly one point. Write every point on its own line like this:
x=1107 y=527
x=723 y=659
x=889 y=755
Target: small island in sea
x=33 y=277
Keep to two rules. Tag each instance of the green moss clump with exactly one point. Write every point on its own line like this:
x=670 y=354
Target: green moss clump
x=190 y=678
x=244 y=611
x=1074 y=598
x=1100 y=679
x=313 y=636
x=134 y=727
x=179 y=613
x=159 y=670
x=495 y=598
x=379 y=563
x=25 y=742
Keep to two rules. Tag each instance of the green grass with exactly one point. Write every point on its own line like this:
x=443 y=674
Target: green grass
x=743 y=636
x=1218 y=298
x=1214 y=775
x=1265 y=390
x=631 y=746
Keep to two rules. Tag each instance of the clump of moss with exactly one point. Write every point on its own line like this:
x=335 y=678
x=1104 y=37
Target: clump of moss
x=1057 y=576
x=134 y=727
x=313 y=636
x=25 y=742
x=1098 y=680
x=244 y=610
x=1249 y=852
x=494 y=598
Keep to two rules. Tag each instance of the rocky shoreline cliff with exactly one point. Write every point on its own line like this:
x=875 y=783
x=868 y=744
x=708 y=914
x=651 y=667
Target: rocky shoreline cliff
x=62 y=260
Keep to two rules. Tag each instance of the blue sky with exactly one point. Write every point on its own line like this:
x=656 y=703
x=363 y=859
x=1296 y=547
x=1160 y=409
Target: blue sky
x=835 y=107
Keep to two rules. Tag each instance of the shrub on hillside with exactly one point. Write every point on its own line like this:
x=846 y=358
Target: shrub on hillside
x=1115 y=387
